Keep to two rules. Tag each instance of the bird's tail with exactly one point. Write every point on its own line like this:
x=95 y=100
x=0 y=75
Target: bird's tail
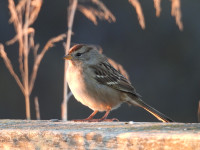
x=137 y=101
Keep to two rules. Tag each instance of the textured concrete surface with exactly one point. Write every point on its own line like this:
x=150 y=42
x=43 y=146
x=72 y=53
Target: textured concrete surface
x=23 y=134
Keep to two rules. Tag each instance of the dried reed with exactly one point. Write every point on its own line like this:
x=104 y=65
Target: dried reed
x=176 y=12
x=23 y=15
x=71 y=13
x=138 y=8
x=98 y=11
x=157 y=7
x=37 y=108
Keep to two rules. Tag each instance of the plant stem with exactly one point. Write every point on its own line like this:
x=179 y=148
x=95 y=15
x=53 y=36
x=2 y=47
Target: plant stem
x=37 y=108
x=71 y=13
x=26 y=52
x=27 y=102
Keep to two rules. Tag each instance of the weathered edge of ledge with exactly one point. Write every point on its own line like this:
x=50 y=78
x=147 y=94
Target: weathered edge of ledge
x=115 y=135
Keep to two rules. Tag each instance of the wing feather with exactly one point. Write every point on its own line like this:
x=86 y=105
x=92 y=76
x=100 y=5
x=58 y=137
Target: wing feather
x=106 y=74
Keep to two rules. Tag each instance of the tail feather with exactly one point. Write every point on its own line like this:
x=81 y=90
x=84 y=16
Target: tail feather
x=150 y=109
x=156 y=113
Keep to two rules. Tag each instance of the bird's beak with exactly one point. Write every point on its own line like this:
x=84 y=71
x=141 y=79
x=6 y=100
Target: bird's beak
x=68 y=57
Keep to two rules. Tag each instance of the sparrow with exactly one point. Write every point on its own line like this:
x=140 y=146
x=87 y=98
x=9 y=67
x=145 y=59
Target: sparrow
x=98 y=85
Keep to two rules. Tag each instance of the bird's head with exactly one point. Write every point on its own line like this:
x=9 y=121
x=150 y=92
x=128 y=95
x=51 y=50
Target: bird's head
x=82 y=53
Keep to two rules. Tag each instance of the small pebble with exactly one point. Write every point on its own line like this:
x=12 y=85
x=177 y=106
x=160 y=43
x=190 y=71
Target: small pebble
x=130 y=122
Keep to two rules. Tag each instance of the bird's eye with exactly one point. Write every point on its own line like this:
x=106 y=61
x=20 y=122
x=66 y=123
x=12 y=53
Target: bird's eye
x=78 y=54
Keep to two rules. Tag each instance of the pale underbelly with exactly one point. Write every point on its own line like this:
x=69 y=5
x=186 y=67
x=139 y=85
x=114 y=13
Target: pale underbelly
x=96 y=101
x=96 y=98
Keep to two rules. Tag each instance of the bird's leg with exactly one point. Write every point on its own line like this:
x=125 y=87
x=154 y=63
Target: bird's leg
x=106 y=115
x=90 y=118
x=92 y=115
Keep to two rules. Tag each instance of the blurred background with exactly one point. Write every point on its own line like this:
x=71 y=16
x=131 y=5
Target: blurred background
x=163 y=62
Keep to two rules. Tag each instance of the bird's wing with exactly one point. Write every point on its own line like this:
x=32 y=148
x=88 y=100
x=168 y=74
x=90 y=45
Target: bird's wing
x=108 y=75
x=105 y=74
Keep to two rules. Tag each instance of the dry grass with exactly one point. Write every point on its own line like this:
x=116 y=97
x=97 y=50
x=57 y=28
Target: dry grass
x=106 y=12
x=38 y=57
x=89 y=13
x=138 y=8
x=23 y=15
x=99 y=11
x=157 y=7
x=37 y=108
x=71 y=13
x=8 y=64
x=176 y=12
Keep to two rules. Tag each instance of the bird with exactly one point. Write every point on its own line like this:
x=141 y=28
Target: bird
x=96 y=84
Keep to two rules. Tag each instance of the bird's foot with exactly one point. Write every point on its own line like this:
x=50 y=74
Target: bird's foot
x=108 y=120
x=96 y=120
x=81 y=120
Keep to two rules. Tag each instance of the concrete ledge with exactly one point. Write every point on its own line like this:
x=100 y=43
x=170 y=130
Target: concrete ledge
x=23 y=134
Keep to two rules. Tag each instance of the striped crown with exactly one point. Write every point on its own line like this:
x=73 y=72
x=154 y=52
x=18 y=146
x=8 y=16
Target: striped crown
x=75 y=48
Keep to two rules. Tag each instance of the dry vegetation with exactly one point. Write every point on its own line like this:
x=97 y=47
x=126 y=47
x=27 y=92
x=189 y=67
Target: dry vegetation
x=176 y=12
x=71 y=13
x=157 y=7
x=24 y=14
x=95 y=9
x=138 y=8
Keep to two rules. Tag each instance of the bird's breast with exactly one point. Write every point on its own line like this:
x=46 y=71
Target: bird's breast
x=78 y=86
x=87 y=91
